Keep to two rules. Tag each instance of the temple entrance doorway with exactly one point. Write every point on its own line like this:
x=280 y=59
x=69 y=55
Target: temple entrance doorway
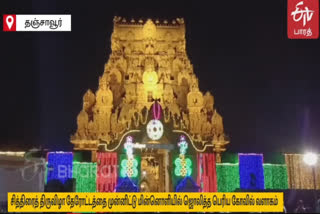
x=152 y=173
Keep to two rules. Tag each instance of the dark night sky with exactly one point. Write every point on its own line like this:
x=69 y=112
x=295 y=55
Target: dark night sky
x=265 y=86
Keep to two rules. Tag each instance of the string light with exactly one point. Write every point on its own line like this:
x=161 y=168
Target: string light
x=251 y=171
x=156 y=113
x=9 y=153
x=183 y=165
x=228 y=179
x=59 y=166
x=155 y=127
x=86 y=176
x=129 y=166
x=275 y=176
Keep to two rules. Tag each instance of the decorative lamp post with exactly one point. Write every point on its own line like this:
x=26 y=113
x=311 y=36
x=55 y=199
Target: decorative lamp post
x=219 y=145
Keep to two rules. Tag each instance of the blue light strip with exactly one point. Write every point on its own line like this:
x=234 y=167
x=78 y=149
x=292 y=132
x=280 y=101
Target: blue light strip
x=251 y=171
x=59 y=166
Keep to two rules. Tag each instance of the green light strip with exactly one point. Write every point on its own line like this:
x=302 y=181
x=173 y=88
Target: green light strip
x=86 y=176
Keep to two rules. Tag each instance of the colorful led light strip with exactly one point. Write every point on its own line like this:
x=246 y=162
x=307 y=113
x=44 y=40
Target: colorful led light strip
x=59 y=166
x=156 y=114
x=129 y=165
x=183 y=165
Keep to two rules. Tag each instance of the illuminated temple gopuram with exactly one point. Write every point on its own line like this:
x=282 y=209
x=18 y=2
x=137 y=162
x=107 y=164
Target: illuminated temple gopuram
x=148 y=114
x=148 y=128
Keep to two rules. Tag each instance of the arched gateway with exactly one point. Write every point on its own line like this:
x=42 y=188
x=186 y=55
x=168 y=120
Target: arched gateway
x=148 y=121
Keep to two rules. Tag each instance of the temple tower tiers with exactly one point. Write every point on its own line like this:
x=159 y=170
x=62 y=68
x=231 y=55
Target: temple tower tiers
x=148 y=62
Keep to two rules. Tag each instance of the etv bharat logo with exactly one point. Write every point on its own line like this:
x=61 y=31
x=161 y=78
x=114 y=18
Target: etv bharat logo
x=303 y=19
x=305 y=14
